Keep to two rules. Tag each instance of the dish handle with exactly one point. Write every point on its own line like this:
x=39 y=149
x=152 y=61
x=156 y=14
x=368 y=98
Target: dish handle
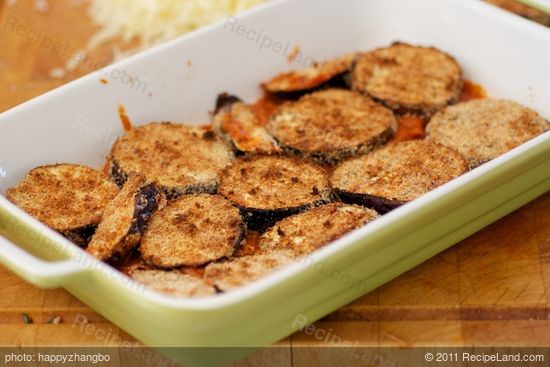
x=45 y=274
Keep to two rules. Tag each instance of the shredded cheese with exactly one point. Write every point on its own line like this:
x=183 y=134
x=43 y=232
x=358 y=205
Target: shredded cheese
x=156 y=21
x=147 y=21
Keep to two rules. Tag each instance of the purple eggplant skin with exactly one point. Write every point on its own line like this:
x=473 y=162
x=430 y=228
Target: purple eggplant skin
x=81 y=236
x=225 y=101
x=146 y=203
x=380 y=205
x=259 y=220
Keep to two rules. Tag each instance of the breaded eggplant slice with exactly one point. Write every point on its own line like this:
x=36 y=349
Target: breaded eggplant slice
x=486 y=128
x=237 y=124
x=308 y=231
x=312 y=77
x=237 y=272
x=181 y=159
x=397 y=173
x=68 y=198
x=331 y=125
x=269 y=188
x=191 y=231
x=172 y=282
x=125 y=219
x=409 y=79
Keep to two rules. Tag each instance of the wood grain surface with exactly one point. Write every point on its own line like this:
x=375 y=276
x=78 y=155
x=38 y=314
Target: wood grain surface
x=491 y=289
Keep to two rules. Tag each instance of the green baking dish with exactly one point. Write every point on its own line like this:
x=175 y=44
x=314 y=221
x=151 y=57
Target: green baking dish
x=79 y=122
x=542 y=5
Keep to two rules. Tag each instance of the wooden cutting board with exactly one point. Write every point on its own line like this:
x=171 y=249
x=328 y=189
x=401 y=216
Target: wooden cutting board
x=491 y=289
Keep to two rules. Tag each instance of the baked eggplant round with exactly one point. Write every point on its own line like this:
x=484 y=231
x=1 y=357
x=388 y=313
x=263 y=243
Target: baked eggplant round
x=172 y=282
x=331 y=125
x=191 y=231
x=237 y=272
x=181 y=159
x=486 y=128
x=312 y=77
x=125 y=219
x=409 y=79
x=397 y=173
x=241 y=129
x=269 y=188
x=308 y=231
x=68 y=198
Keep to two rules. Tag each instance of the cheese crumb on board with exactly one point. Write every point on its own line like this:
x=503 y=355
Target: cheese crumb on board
x=155 y=21
x=149 y=22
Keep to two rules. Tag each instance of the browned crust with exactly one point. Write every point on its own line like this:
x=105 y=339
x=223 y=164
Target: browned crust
x=306 y=232
x=398 y=172
x=409 y=79
x=237 y=272
x=274 y=186
x=68 y=198
x=180 y=158
x=484 y=129
x=310 y=78
x=173 y=283
x=191 y=231
x=331 y=125
x=237 y=124
x=125 y=219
